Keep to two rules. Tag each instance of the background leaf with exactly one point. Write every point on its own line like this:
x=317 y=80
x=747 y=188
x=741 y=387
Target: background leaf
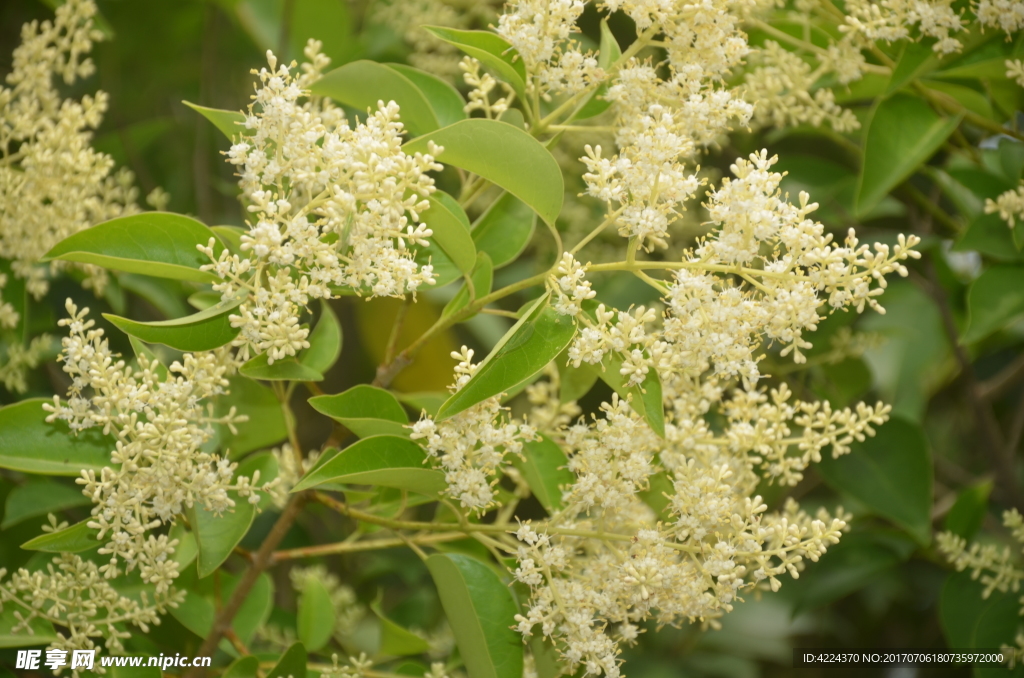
x=388 y=461
x=504 y=230
x=202 y=331
x=316 y=617
x=993 y=301
x=324 y=341
x=491 y=50
x=30 y=445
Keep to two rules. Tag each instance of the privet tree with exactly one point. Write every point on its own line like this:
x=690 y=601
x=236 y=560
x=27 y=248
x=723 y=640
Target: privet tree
x=626 y=451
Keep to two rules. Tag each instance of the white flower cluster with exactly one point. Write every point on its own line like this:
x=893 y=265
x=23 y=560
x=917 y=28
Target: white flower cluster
x=541 y=31
x=73 y=594
x=159 y=467
x=1009 y=205
x=472 y=446
x=52 y=183
x=333 y=205
x=620 y=332
x=482 y=84
x=569 y=286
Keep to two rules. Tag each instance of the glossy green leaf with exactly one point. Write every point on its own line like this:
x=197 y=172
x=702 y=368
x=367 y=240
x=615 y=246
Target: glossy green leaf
x=504 y=155
x=902 y=133
x=328 y=21
x=72 y=539
x=30 y=445
x=396 y=641
x=187 y=550
x=160 y=244
x=288 y=369
x=361 y=84
x=994 y=300
x=243 y=667
x=216 y=535
x=451 y=231
x=39 y=497
x=971 y=621
x=444 y=99
x=292 y=663
x=198 y=610
x=574 y=382
x=445 y=271
x=545 y=468
x=231 y=236
x=164 y=295
x=42 y=633
x=384 y=460
x=916 y=59
x=504 y=230
x=491 y=50
x=526 y=348
x=202 y=331
x=968 y=513
x=891 y=473
x=481 y=612
x=424 y=401
x=230 y=123
x=316 y=616
x=645 y=399
x=365 y=410
x=482 y=277
x=324 y=342
x=266 y=425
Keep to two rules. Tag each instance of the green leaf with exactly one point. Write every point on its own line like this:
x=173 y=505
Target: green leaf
x=902 y=133
x=971 y=621
x=504 y=155
x=491 y=50
x=424 y=401
x=159 y=244
x=504 y=230
x=288 y=369
x=994 y=300
x=40 y=632
x=481 y=611
x=30 y=445
x=482 y=277
x=545 y=467
x=316 y=616
x=216 y=535
x=328 y=21
x=396 y=641
x=292 y=663
x=164 y=295
x=451 y=231
x=266 y=425
x=858 y=559
x=645 y=399
x=198 y=610
x=39 y=497
x=915 y=60
x=444 y=269
x=230 y=123
x=73 y=539
x=891 y=473
x=365 y=410
x=231 y=236
x=526 y=348
x=574 y=382
x=444 y=99
x=361 y=84
x=243 y=667
x=385 y=460
x=967 y=514
x=202 y=331
x=324 y=341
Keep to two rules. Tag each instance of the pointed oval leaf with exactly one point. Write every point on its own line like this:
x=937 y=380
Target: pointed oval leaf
x=969 y=511
x=243 y=667
x=292 y=663
x=316 y=617
x=994 y=300
x=362 y=84
x=545 y=467
x=451 y=231
x=230 y=123
x=30 y=445
x=902 y=133
x=504 y=230
x=491 y=50
x=645 y=399
x=388 y=461
x=361 y=402
x=481 y=611
x=216 y=535
x=160 y=244
x=202 y=331
x=40 y=632
x=39 y=497
x=266 y=425
x=72 y=539
x=446 y=101
x=324 y=341
x=972 y=621
x=891 y=473
x=396 y=641
x=288 y=369
x=526 y=348
x=608 y=54
x=504 y=155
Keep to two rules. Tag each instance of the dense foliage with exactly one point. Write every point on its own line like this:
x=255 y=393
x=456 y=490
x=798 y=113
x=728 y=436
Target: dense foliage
x=548 y=338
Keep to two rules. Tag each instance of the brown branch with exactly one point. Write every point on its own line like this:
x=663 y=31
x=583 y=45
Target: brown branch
x=994 y=387
x=260 y=561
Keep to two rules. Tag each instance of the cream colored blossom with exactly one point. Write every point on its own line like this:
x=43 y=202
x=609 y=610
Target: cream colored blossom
x=1009 y=206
